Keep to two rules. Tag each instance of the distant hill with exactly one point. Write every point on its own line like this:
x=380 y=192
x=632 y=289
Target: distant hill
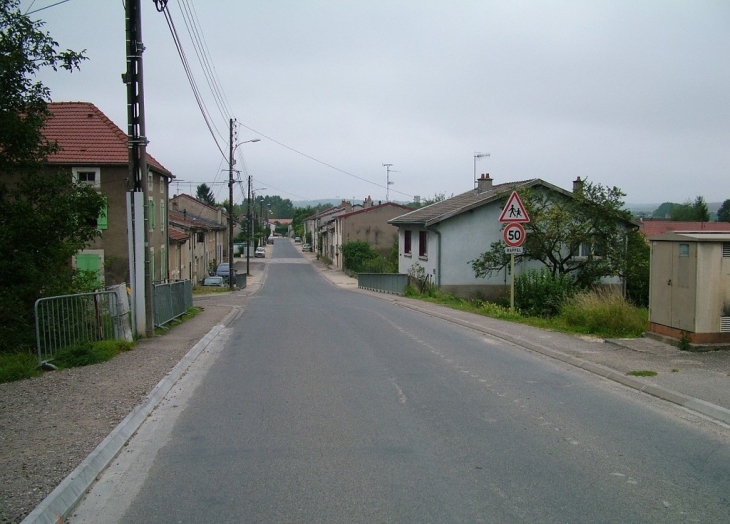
x=334 y=202
x=648 y=209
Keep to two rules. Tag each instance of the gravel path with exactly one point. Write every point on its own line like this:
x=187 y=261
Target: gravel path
x=49 y=424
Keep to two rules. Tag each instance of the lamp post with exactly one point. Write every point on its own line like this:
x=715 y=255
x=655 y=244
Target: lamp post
x=476 y=157
x=231 y=162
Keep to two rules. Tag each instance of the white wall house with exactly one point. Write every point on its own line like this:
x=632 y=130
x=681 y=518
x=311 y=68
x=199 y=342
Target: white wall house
x=445 y=236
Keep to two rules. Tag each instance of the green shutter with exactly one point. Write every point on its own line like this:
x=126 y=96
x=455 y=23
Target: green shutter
x=163 y=263
x=89 y=262
x=151 y=213
x=103 y=221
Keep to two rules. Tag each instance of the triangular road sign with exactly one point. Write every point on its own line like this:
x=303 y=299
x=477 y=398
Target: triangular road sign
x=514 y=211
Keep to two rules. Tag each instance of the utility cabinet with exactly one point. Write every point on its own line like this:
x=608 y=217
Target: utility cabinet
x=689 y=288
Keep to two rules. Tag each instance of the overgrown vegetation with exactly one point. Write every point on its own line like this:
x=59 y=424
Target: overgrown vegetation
x=45 y=217
x=599 y=313
x=359 y=257
x=88 y=353
x=18 y=365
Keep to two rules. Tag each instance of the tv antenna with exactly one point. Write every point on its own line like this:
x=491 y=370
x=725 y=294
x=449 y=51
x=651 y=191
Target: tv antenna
x=388 y=183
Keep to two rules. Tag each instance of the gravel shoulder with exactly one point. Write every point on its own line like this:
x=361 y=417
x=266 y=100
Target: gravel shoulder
x=50 y=424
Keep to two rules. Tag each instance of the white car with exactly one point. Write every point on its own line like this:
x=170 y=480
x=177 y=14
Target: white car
x=260 y=252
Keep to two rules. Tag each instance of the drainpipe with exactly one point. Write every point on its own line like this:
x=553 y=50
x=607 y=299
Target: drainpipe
x=438 y=262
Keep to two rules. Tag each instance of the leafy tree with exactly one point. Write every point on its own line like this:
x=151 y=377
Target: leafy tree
x=45 y=218
x=583 y=235
x=723 y=214
x=665 y=210
x=356 y=254
x=205 y=194
x=691 y=212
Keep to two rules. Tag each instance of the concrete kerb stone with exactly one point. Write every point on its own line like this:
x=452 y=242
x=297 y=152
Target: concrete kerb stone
x=61 y=501
x=700 y=406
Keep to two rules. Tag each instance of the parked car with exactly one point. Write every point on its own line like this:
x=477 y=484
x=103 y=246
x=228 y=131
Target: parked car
x=297 y=239
x=260 y=252
x=214 y=281
x=270 y=240
x=224 y=271
x=306 y=247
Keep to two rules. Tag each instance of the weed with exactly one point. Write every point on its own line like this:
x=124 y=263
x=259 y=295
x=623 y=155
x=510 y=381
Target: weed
x=605 y=313
x=683 y=343
x=675 y=370
x=642 y=373
x=18 y=365
x=87 y=353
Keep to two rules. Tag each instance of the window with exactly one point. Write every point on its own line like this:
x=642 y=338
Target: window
x=86 y=175
x=683 y=250
x=201 y=237
x=422 y=250
x=407 y=242
x=163 y=215
x=151 y=213
x=150 y=181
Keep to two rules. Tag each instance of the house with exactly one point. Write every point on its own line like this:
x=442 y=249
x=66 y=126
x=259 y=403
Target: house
x=367 y=224
x=320 y=228
x=442 y=238
x=199 y=237
x=656 y=227
x=94 y=151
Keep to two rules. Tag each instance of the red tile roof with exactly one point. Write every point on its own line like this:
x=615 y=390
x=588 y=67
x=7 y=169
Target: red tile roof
x=653 y=228
x=87 y=136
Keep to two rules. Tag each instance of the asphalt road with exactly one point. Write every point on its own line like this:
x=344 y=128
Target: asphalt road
x=320 y=405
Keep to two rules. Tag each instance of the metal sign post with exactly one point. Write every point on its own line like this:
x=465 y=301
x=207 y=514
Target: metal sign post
x=514 y=215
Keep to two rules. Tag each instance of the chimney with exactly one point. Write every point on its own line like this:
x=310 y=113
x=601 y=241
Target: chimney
x=577 y=186
x=368 y=202
x=484 y=183
x=345 y=204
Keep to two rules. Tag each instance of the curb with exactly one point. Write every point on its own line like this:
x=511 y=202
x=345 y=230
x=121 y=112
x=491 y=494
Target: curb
x=703 y=407
x=59 y=503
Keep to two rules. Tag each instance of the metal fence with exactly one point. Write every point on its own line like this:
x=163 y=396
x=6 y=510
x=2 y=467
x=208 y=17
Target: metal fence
x=73 y=319
x=172 y=300
x=394 y=283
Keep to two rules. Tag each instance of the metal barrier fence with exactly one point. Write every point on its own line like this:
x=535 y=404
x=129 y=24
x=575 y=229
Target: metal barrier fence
x=72 y=319
x=172 y=300
x=394 y=283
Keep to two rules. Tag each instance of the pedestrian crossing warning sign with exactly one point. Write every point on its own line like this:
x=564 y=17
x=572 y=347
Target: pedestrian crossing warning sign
x=514 y=211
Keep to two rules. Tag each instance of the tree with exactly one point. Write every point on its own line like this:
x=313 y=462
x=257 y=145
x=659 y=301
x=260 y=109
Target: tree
x=723 y=214
x=45 y=218
x=583 y=235
x=691 y=212
x=205 y=194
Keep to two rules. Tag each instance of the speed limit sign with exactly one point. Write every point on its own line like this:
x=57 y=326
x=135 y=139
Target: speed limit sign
x=514 y=234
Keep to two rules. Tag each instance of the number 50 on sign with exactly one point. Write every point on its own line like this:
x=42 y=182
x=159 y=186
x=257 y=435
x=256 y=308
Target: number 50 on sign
x=514 y=234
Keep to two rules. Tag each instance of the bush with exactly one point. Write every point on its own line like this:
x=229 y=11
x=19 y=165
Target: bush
x=356 y=254
x=540 y=294
x=604 y=313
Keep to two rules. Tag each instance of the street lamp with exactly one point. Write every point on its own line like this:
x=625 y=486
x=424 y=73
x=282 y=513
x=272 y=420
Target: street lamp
x=230 y=201
x=477 y=156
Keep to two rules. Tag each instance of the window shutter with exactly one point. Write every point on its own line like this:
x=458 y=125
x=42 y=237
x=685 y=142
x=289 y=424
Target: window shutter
x=103 y=221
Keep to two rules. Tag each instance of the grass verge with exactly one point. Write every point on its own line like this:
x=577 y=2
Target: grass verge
x=596 y=313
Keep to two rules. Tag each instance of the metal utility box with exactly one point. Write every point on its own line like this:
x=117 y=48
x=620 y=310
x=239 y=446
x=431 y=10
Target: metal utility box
x=689 y=289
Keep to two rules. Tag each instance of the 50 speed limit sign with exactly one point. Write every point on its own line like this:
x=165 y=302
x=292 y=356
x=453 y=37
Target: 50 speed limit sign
x=514 y=234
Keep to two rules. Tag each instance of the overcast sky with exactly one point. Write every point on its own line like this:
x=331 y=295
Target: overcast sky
x=633 y=94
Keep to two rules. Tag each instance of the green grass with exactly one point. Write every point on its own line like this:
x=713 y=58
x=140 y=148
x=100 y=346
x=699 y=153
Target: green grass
x=87 y=353
x=18 y=365
x=596 y=313
x=642 y=373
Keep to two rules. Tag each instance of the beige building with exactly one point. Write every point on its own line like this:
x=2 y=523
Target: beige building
x=367 y=224
x=689 y=290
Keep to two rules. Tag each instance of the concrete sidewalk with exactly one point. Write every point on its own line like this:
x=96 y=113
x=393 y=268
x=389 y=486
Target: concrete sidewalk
x=699 y=381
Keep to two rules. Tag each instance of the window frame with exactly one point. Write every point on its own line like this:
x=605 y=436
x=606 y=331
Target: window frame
x=407 y=242
x=423 y=244
x=96 y=184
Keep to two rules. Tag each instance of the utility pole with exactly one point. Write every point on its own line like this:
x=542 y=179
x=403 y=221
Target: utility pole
x=249 y=226
x=137 y=208
x=230 y=208
x=388 y=183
